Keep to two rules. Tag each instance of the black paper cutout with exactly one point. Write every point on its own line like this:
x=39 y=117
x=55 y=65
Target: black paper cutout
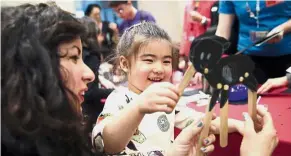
x=221 y=73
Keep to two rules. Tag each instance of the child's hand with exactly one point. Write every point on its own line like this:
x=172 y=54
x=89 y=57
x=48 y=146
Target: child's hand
x=159 y=97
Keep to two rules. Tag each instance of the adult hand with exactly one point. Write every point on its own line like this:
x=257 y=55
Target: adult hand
x=186 y=142
x=196 y=16
x=273 y=83
x=159 y=97
x=279 y=37
x=260 y=143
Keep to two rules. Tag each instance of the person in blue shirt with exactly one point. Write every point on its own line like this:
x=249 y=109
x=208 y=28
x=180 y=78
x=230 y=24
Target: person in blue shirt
x=258 y=19
x=129 y=14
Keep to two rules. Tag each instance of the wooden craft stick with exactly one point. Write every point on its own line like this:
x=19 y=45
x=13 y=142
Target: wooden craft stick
x=223 y=136
x=252 y=104
x=205 y=131
x=186 y=79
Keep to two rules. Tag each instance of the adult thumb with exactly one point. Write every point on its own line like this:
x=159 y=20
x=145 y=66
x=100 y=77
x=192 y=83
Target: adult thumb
x=191 y=131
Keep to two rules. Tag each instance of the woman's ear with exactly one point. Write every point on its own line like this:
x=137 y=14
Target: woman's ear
x=124 y=65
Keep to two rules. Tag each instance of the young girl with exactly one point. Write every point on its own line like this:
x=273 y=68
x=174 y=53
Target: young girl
x=143 y=124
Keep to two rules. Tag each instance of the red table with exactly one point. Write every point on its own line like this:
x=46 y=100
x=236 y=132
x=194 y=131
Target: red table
x=280 y=109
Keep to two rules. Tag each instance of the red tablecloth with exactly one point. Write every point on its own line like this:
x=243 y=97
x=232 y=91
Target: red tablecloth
x=280 y=108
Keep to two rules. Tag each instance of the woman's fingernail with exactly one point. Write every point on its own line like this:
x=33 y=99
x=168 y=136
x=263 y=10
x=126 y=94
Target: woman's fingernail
x=203 y=149
x=206 y=141
x=200 y=124
x=245 y=115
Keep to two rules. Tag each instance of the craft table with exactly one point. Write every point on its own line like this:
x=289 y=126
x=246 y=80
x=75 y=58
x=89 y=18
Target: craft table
x=280 y=108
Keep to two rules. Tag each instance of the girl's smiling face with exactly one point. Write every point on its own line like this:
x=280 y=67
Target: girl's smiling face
x=153 y=63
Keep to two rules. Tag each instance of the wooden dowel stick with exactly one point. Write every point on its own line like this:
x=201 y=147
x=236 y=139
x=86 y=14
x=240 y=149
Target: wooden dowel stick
x=205 y=131
x=186 y=78
x=252 y=104
x=224 y=125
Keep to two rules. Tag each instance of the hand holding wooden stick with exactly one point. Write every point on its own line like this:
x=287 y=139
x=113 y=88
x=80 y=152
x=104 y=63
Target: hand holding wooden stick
x=186 y=79
x=205 y=131
x=252 y=104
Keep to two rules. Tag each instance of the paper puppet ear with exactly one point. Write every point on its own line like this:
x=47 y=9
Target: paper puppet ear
x=224 y=42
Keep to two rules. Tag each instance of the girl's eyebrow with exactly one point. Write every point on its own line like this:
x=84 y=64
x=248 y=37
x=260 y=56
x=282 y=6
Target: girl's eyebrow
x=148 y=55
x=154 y=56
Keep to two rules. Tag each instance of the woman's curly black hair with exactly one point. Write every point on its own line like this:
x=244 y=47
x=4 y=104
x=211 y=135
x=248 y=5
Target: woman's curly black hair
x=36 y=108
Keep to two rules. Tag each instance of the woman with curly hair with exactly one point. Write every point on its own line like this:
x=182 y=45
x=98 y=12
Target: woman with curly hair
x=44 y=80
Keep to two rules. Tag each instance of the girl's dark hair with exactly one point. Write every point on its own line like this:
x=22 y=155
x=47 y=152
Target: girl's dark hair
x=36 y=108
x=139 y=35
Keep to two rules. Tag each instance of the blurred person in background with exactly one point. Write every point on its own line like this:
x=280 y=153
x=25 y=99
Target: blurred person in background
x=197 y=18
x=257 y=20
x=108 y=31
x=129 y=14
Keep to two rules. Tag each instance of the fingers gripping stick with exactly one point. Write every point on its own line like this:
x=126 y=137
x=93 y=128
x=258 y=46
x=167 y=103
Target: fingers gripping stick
x=252 y=104
x=205 y=130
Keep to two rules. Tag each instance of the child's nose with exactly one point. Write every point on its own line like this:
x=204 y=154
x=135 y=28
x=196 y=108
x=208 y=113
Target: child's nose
x=159 y=68
x=88 y=74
